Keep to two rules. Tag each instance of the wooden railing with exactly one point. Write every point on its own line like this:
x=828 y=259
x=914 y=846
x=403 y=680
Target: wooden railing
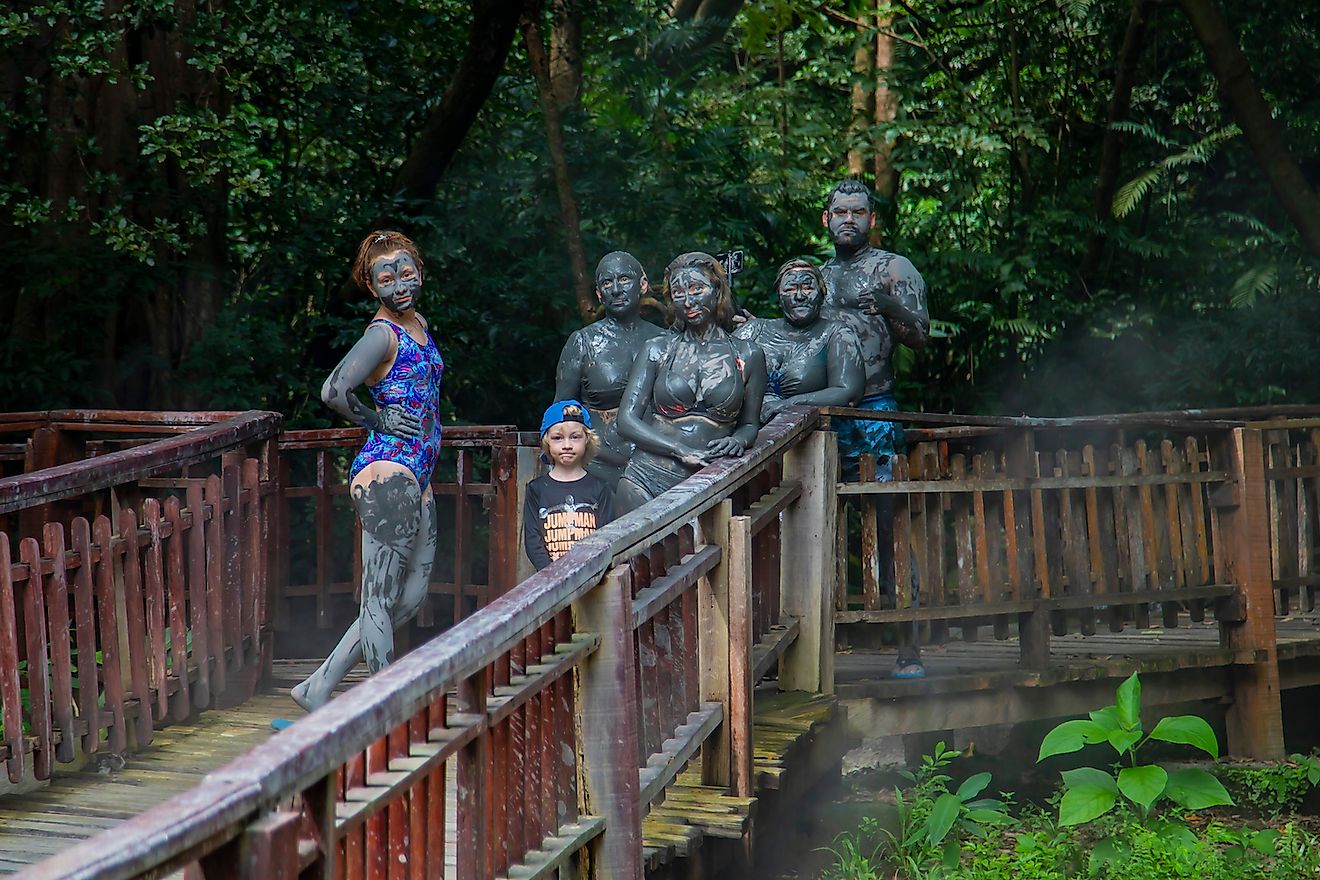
x=565 y=706
x=133 y=587
x=1034 y=528
x=318 y=561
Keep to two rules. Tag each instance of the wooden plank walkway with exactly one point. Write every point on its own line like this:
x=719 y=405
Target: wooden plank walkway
x=78 y=804
x=989 y=663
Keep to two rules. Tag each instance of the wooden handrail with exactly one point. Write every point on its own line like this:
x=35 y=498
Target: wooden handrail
x=78 y=478
x=306 y=753
x=1215 y=419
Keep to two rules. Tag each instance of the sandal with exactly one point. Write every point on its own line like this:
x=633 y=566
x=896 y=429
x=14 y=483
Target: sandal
x=910 y=667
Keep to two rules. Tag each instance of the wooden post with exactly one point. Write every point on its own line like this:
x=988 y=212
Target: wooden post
x=472 y=855
x=713 y=644
x=528 y=466
x=807 y=563
x=607 y=721
x=1255 y=718
x=1033 y=626
x=739 y=719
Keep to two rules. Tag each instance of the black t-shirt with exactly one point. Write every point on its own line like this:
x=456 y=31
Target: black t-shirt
x=557 y=515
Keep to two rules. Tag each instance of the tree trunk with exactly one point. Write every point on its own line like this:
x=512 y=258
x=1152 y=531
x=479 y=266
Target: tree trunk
x=861 y=103
x=886 y=110
x=1111 y=149
x=554 y=134
x=1264 y=134
x=566 y=52
x=494 y=25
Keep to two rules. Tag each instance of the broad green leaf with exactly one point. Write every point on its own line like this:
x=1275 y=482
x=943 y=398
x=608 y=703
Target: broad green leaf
x=941 y=817
x=1142 y=784
x=973 y=786
x=991 y=817
x=1107 y=718
x=1264 y=841
x=951 y=853
x=1195 y=789
x=1127 y=700
x=1083 y=803
x=1089 y=776
x=1187 y=729
x=1122 y=740
x=1070 y=736
x=1109 y=851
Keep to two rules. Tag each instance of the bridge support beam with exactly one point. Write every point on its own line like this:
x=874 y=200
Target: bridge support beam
x=608 y=723
x=807 y=590
x=1241 y=518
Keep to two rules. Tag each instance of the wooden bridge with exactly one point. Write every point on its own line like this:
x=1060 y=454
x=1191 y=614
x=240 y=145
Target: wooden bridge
x=670 y=682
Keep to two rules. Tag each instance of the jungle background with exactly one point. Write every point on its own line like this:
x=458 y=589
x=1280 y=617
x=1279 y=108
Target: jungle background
x=1112 y=201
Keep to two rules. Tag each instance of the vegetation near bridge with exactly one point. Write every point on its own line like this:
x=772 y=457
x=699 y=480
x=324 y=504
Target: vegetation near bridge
x=1113 y=200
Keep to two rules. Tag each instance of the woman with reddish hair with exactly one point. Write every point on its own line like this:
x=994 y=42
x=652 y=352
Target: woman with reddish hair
x=398 y=361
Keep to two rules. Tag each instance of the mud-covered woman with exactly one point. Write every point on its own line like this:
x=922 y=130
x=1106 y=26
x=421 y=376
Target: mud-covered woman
x=597 y=360
x=810 y=360
x=694 y=396
x=399 y=363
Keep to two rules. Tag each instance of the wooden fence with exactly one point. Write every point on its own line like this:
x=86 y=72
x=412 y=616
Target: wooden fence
x=565 y=706
x=1033 y=528
x=129 y=597
x=318 y=560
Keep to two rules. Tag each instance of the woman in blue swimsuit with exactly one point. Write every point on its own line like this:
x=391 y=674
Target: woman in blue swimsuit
x=391 y=477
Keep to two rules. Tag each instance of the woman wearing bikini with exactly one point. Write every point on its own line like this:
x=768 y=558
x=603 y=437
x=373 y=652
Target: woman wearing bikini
x=391 y=477
x=692 y=397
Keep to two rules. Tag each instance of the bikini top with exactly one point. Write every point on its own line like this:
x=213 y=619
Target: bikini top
x=413 y=381
x=677 y=396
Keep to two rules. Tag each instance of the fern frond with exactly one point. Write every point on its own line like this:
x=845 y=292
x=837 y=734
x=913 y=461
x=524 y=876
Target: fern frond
x=1129 y=127
x=1254 y=224
x=1258 y=281
x=1076 y=8
x=1131 y=193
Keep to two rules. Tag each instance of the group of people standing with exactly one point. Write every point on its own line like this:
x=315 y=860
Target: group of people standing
x=638 y=408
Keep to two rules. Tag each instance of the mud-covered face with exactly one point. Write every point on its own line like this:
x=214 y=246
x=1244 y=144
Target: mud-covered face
x=848 y=220
x=695 y=298
x=620 y=285
x=396 y=281
x=800 y=297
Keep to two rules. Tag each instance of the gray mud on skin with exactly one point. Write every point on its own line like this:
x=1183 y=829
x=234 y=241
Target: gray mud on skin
x=880 y=295
x=692 y=397
x=398 y=552
x=810 y=360
x=597 y=360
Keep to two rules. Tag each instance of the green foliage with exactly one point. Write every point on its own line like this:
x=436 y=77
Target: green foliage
x=1273 y=788
x=1089 y=792
x=933 y=824
x=197 y=215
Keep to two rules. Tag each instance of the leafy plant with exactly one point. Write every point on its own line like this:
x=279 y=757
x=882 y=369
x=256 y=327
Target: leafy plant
x=1273 y=789
x=931 y=816
x=1090 y=792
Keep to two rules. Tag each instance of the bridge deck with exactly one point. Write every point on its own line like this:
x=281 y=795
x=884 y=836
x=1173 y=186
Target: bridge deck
x=1180 y=664
x=82 y=803
x=78 y=804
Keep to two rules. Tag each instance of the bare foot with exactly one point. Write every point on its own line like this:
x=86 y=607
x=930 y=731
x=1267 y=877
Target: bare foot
x=302 y=695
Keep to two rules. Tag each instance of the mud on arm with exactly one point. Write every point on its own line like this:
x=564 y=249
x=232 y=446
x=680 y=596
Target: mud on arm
x=568 y=374
x=636 y=399
x=749 y=418
x=847 y=373
x=900 y=300
x=361 y=361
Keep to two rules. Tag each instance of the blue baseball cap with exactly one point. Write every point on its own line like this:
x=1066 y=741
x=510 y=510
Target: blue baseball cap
x=564 y=411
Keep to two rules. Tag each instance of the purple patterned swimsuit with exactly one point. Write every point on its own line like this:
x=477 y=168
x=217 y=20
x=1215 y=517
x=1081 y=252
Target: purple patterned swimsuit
x=413 y=383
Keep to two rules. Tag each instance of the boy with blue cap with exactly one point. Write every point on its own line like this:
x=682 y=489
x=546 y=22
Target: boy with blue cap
x=567 y=504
